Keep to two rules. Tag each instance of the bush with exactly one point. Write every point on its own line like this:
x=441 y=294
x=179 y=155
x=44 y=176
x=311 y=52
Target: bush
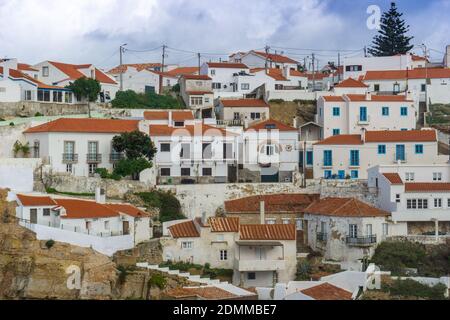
x=38 y=114
x=83 y=194
x=11 y=124
x=276 y=101
x=49 y=244
x=132 y=100
x=104 y=174
x=157 y=280
x=304 y=270
x=168 y=204
x=131 y=167
x=175 y=88
x=411 y=288
x=182 y=266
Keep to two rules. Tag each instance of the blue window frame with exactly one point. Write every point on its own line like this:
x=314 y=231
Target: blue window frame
x=336 y=111
x=385 y=111
x=341 y=174
x=309 y=158
x=419 y=148
x=403 y=129
x=327 y=158
x=336 y=132
x=354 y=157
x=327 y=174
x=362 y=113
x=381 y=149
x=400 y=152
x=354 y=174
x=404 y=111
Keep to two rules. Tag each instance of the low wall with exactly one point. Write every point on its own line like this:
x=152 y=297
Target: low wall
x=18 y=174
x=30 y=108
x=107 y=245
x=291 y=95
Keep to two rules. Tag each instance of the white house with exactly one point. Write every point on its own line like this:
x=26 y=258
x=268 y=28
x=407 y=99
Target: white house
x=62 y=74
x=418 y=196
x=223 y=76
x=345 y=229
x=270 y=152
x=358 y=66
x=138 y=77
x=260 y=255
x=197 y=94
x=258 y=59
x=78 y=146
x=350 y=155
x=241 y=112
x=85 y=222
x=171 y=77
x=350 y=113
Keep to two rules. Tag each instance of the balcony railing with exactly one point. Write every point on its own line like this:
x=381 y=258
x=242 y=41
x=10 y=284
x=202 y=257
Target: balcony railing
x=115 y=157
x=93 y=158
x=361 y=241
x=321 y=236
x=70 y=158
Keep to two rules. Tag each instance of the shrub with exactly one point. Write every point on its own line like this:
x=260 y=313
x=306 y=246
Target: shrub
x=411 y=288
x=304 y=270
x=11 y=124
x=38 y=114
x=157 y=280
x=123 y=272
x=104 y=174
x=276 y=101
x=49 y=244
x=168 y=204
x=131 y=100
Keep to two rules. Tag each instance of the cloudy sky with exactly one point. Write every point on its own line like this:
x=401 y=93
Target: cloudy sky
x=88 y=31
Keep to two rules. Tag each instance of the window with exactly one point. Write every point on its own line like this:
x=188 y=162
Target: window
x=278 y=87
x=164 y=147
x=207 y=150
x=286 y=220
x=36 y=149
x=336 y=111
x=327 y=174
x=92 y=167
x=385 y=111
x=299 y=224
x=270 y=221
x=255 y=115
x=354 y=174
x=437 y=176
x=362 y=113
x=216 y=85
x=437 y=202
x=336 y=132
x=354 y=157
x=400 y=152
x=28 y=95
x=353 y=68
x=44 y=95
x=69 y=151
x=381 y=149
x=368 y=229
x=68 y=97
x=409 y=176
x=88 y=225
x=270 y=150
x=228 y=151
x=69 y=168
x=448 y=203
x=323 y=227
x=185 y=172
x=57 y=96
x=385 y=229
x=403 y=111
x=397 y=198
x=206 y=100
x=236 y=116
x=245 y=86
x=417 y=204
x=309 y=158
x=419 y=148
x=196 y=101
x=327 y=158
x=353 y=231
x=213 y=72
x=251 y=276
x=199 y=83
x=46 y=212
x=187 y=245
x=178 y=124
x=223 y=255
x=92 y=151
x=185 y=152
x=423 y=87
x=165 y=172
x=106 y=225
x=376 y=87
x=207 y=172
x=2 y=89
x=45 y=71
x=396 y=88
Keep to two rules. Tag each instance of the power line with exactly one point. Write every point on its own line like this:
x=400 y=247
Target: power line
x=148 y=50
x=323 y=50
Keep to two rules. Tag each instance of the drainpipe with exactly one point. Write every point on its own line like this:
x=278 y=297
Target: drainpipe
x=262 y=212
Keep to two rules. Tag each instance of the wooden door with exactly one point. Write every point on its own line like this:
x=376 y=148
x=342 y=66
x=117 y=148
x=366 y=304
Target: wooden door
x=126 y=227
x=33 y=216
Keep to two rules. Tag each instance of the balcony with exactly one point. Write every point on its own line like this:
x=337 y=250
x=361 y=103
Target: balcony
x=259 y=265
x=93 y=158
x=321 y=236
x=230 y=123
x=365 y=241
x=115 y=157
x=69 y=158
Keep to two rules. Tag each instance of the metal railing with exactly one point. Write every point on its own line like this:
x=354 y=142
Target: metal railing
x=93 y=157
x=70 y=158
x=115 y=157
x=321 y=236
x=361 y=241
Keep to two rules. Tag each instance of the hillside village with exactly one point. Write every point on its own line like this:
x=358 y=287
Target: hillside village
x=255 y=177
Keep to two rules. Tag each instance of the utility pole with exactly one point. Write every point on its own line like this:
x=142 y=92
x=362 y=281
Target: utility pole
x=425 y=54
x=162 y=68
x=339 y=67
x=267 y=59
x=365 y=51
x=121 y=51
x=199 y=57
x=314 y=71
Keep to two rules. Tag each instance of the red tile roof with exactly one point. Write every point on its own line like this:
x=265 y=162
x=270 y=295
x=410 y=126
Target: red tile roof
x=103 y=78
x=374 y=97
x=419 y=73
x=393 y=178
x=350 y=139
x=351 y=83
x=196 y=77
x=164 y=115
x=25 y=67
x=327 y=291
x=86 y=126
x=277 y=58
x=427 y=135
x=184 y=230
x=268 y=232
x=81 y=209
x=318 y=76
x=344 y=207
x=296 y=73
x=35 y=201
x=333 y=98
x=230 y=103
x=427 y=187
x=274 y=73
x=128 y=209
x=273 y=203
x=231 y=65
x=183 y=71
x=17 y=74
x=73 y=72
x=228 y=224
x=273 y=124
x=189 y=130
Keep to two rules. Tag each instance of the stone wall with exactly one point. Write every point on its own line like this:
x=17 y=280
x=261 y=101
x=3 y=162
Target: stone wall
x=8 y=136
x=30 y=108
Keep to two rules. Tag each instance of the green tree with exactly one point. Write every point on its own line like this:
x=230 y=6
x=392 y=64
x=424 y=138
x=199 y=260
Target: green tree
x=391 y=38
x=86 y=88
x=139 y=150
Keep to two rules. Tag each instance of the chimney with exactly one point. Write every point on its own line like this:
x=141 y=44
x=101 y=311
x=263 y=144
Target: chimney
x=170 y=118
x=100 y=195
x=262 y=213
x=144 y=126
x=368 y=96
x=363 y=135
x=286 y=72
x=204 y=218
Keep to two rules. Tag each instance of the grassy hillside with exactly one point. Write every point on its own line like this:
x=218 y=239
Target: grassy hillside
x=439 y=114
x=286 y=111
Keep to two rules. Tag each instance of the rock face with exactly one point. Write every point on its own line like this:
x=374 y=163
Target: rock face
x=30 y=270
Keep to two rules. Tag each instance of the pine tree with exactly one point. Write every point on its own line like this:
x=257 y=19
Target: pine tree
x=391 y=38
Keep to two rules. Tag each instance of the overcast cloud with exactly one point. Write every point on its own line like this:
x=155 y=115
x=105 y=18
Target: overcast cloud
x=91 y=31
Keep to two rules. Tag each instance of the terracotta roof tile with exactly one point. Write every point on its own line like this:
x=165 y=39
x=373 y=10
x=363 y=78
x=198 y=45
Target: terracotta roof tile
x=327 y=291
x=38 y=201
x=296 y=73
x=333 y=98
x=86 y=125
x=268 y=232
x=273 y=203
x=277 y=58
x=393 y=178
x=274 y=73
x=427 y=135
x=271 y=124
x=25 y=67
x=427 y=187
x=228 y=224
x=377 y=98
x=351 y=83
x=80 y=209
x=184 y=230
x=183 y=71
x=347 y=139
x=344 y=207
x=73 y=71
x=229 y=103
x=418 y=73
x=128 y=209
x=103 y=78
x=227 y=65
